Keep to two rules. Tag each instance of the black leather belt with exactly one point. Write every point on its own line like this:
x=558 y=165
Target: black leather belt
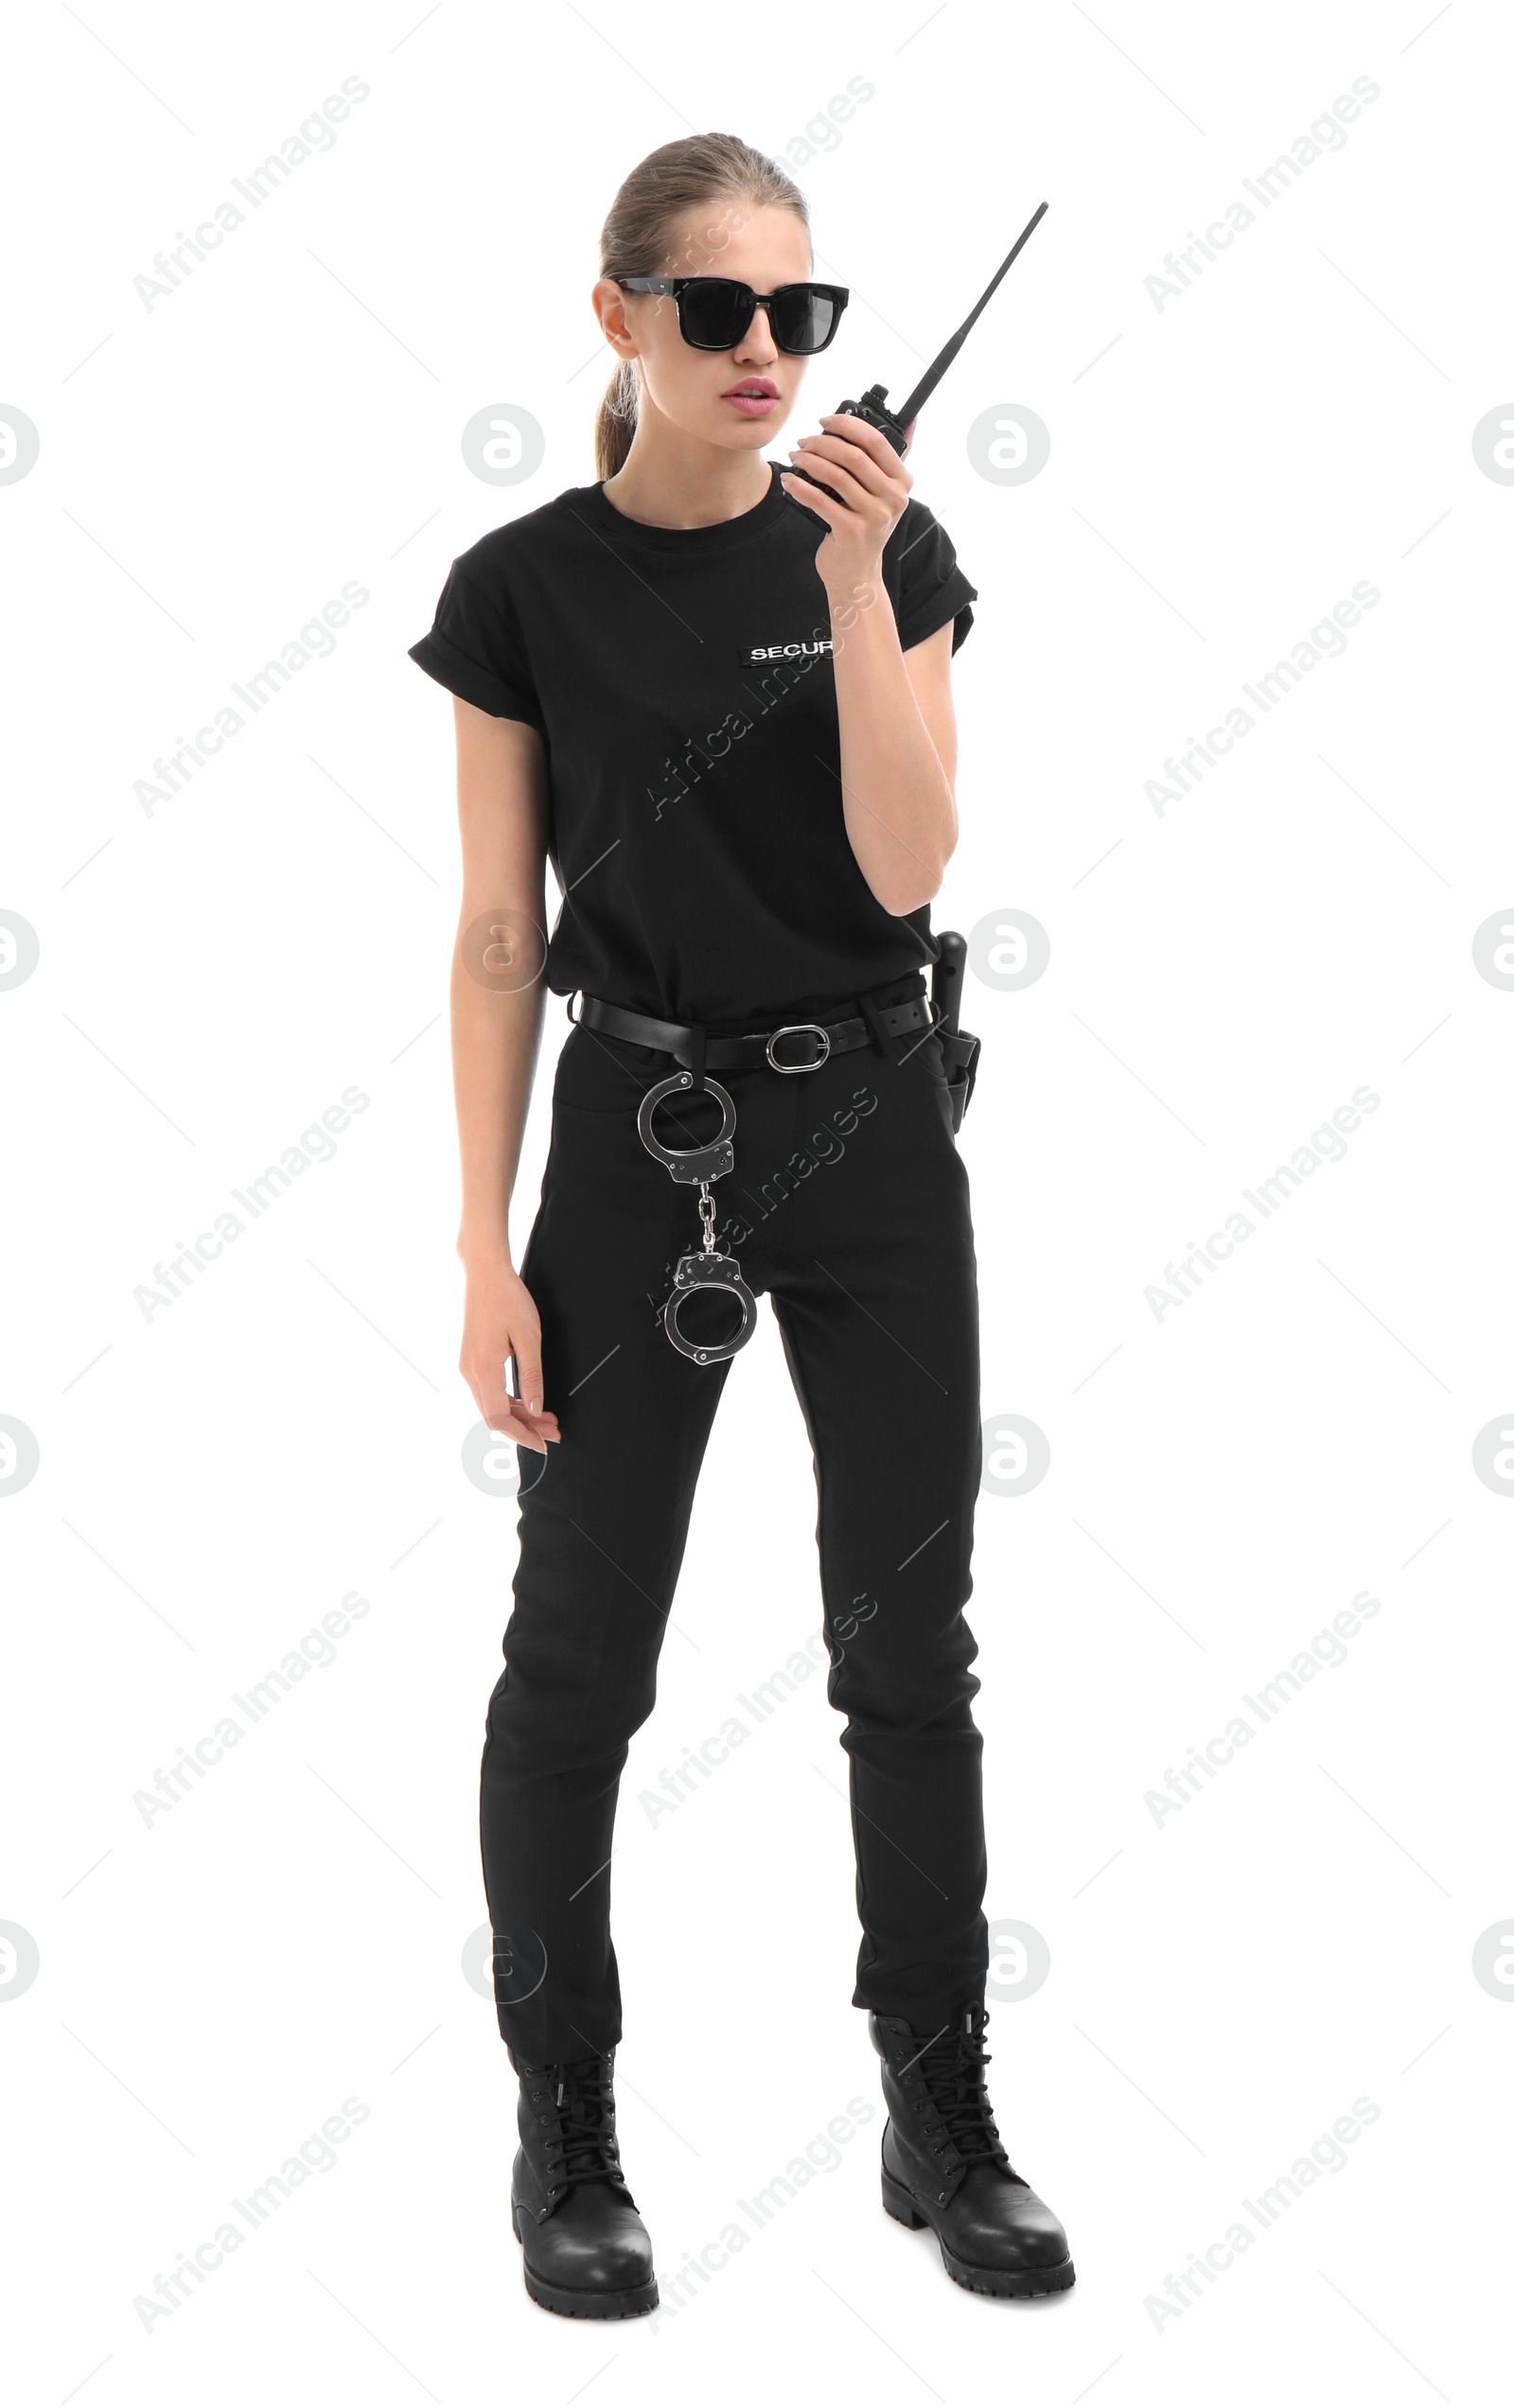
x=775 y=1046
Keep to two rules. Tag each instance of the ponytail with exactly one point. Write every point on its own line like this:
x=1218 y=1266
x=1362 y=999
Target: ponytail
x=615 y=420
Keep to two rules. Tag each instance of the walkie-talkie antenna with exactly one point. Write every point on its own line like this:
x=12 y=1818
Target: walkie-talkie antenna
x=944 y=358
x=873 y=407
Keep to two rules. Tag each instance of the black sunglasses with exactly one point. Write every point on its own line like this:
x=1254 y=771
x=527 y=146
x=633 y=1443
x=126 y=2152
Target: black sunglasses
x=715 y=311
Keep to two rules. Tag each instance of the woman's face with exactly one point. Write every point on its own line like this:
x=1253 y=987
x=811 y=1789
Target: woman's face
x=694 y=390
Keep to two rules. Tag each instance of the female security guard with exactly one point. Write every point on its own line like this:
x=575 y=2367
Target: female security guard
x=716 y=696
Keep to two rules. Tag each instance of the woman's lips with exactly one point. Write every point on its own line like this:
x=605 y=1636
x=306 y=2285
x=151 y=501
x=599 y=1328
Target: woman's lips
x=751 y=405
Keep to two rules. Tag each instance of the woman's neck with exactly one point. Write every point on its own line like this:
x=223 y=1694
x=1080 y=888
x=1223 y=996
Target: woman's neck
x=662 y=485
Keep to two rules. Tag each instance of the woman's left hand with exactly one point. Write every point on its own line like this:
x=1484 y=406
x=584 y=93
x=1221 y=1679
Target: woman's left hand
x=869 y=491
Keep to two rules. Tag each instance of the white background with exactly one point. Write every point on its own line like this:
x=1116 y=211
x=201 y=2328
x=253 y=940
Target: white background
x=1224 y=1983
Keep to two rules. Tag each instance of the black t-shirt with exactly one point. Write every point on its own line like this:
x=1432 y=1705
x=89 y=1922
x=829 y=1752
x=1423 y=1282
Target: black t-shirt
x=682 y=680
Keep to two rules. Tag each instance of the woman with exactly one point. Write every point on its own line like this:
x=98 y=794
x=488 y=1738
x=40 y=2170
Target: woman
x=716 y=695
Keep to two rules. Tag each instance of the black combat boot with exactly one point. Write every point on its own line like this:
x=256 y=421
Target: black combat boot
x=944 y=2166
x=586 y=2250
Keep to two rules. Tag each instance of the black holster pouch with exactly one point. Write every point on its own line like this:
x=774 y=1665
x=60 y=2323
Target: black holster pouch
x=960 y=1050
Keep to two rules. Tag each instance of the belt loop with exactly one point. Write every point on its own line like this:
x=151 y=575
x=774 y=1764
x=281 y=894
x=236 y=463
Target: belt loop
x=889 y=1045
x=696 y=1055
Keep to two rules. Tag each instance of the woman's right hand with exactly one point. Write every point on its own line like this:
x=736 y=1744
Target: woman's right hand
x=500 y=1319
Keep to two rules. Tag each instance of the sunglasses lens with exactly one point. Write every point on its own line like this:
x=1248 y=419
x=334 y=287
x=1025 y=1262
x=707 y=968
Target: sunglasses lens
x=716 y=312
x=804 y=318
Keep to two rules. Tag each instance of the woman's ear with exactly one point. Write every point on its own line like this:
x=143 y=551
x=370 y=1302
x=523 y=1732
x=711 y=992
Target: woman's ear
x=608 y=304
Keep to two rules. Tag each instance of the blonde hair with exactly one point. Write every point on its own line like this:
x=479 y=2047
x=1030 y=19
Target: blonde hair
x=637 y=239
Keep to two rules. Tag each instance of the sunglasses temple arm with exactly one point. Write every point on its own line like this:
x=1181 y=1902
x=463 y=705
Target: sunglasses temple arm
x=944 y=358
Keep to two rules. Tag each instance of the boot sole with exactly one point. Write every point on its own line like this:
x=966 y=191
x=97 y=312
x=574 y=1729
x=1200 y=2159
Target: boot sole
x=638 y=2302
x=998 y=2282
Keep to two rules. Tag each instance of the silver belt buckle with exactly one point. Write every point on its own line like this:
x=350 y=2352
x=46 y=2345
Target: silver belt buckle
x=797 y=1028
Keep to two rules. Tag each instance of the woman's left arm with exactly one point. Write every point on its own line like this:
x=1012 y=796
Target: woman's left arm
x=898 y=730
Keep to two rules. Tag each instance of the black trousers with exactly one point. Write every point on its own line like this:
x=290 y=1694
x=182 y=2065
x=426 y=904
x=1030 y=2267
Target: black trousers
x=848 y=1207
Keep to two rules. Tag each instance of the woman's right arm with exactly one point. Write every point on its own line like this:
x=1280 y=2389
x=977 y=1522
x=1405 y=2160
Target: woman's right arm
x=502 y=805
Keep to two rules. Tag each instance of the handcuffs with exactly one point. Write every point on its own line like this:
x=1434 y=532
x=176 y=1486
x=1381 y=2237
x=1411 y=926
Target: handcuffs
x=698 y=1165
x=709 y=1267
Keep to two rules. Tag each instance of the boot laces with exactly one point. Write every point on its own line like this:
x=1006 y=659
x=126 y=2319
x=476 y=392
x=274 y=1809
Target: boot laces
x=955 y=2066
x=581 y=2094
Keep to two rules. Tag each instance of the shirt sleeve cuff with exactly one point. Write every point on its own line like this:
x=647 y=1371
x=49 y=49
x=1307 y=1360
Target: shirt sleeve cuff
x=461 y=676
x=951 y=601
